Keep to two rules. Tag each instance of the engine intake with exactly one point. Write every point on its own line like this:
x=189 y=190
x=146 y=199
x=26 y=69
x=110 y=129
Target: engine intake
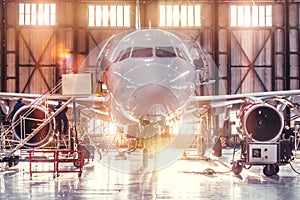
x=26 y=120
x=262 y=122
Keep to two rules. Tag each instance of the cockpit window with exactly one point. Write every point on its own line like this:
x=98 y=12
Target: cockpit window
x=165 y=52
x=125 y=54
x=141 y=52
x=181 y=54
x=119 y=55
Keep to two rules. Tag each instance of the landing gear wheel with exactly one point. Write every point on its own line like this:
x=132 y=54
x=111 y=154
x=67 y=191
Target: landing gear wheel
x=237 y=168
x=270 y=170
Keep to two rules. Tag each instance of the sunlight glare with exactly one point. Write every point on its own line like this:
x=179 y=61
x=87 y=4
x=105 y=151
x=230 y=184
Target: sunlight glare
x=254 y=15
x=52 y=14
x=190 y=15
x=233 y=15
x=33 y=14
x=21 y=13
x=247 y=16
x=27 y=13
x=169 y=13
x=113 y=15
x=40 y=14
x=91 y=15
x=197 y=15
x=262 y=15
x=183 y=15
x=46 y=14
x=162 y=15
x=269 y=15
x=120 y=15
x=240 y=17
x=105 y=15
x=176 y=15
x=126 y=16
x=98 y=16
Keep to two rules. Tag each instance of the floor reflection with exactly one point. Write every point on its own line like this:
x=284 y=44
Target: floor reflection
x=184 y=179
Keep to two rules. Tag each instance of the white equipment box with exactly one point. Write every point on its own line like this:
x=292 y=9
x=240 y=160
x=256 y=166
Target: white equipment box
x=77 y=85
x=263 y=153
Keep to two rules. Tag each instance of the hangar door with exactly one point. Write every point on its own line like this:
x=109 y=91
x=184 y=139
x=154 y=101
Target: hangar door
x=263 y=48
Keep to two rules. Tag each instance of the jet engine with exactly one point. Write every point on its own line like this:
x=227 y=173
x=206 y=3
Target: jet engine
x=262 y=125
x=26 y=120
x=262 y=122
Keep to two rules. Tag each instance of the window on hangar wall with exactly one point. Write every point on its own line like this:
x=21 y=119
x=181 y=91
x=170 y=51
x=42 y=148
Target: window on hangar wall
x=109 y=15
x=37 y=14
x=251 y=16
x=180 y=15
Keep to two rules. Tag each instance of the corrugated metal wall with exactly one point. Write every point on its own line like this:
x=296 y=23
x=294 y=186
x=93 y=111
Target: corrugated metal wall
x=249 y=59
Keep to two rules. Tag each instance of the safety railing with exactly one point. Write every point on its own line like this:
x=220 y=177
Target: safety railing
x=53 y=160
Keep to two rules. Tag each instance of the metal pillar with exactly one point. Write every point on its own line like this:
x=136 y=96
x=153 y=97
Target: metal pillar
x=3 y=46
x=287 y=73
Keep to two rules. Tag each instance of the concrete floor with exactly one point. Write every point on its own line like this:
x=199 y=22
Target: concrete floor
x=192 y=178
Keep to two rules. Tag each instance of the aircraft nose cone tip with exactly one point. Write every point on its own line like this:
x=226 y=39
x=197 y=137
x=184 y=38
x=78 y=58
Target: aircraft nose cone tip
x=157 y=109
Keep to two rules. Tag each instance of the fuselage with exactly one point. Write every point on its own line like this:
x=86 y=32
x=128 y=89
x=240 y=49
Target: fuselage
x=150 y=77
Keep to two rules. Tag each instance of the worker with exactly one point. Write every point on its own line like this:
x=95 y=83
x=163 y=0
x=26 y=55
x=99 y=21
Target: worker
x=3 y=111
x=2 y=116
x=287 y=132
x=17 y=106
x=61 y=119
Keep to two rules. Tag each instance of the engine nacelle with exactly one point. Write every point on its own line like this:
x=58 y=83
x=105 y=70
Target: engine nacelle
x=26 y=120
x=262 y=122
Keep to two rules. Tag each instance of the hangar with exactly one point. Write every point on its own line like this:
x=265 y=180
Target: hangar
x=223 y=73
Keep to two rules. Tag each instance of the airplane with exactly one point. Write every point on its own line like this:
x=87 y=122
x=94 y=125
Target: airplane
x=150 y=82
x=157 y=79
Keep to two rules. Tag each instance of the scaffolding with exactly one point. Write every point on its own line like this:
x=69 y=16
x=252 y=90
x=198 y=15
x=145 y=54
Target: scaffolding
x=9 y=145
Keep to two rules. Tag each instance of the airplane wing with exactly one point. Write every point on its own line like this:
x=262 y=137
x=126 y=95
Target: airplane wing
x=8 y=98
x=90 y=101
x=226 y=100
x=16 y=96
x=91 y=106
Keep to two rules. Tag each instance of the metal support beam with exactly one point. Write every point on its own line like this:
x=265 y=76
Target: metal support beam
x=287 y=73
x=75 y=38
x=3 y=46
x=216 y=38
x=216 y=58
x=273 y=61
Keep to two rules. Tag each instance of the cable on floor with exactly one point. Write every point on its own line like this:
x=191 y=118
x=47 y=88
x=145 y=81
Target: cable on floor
x=207 y=171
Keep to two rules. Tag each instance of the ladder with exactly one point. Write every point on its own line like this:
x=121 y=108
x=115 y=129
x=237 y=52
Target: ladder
x=45 y=122
x=38 y=101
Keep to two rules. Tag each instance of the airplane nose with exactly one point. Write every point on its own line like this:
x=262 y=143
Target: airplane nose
x=153 y=100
